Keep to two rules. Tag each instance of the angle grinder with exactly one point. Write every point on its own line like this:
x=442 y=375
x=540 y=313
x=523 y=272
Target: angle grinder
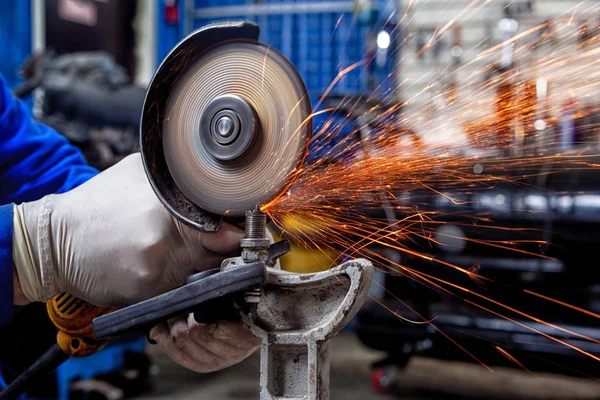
x=225 y=129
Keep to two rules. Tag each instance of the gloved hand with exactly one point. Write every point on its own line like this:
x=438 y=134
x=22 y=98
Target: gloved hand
x=110 y=242
x=204 y=348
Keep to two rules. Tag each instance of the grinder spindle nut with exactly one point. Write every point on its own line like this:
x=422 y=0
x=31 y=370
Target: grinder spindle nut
x=228 y=127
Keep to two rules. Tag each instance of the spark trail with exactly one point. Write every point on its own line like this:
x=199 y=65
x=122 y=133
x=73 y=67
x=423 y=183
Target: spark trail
x=500 y=134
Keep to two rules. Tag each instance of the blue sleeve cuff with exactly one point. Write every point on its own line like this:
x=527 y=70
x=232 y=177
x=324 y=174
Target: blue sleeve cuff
x=6 y=264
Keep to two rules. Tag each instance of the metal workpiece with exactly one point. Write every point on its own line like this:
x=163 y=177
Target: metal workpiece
x=295 y=318
x=256 y=247
x=255 y=243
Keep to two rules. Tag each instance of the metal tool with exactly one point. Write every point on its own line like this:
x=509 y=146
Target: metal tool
x=226 y=125
x=225 y=130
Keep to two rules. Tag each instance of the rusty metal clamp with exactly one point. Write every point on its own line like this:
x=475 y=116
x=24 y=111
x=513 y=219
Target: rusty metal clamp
x=296 y=316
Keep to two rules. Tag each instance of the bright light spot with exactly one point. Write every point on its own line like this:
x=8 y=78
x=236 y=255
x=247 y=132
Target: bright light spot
x=565 y=202
x=541 y=87
x=508 y=25
x=536 y=202
x=456 y=51
x=383 y=40
x=478 y=168
x=450 y=238
x=587 y=200
x=540 y=125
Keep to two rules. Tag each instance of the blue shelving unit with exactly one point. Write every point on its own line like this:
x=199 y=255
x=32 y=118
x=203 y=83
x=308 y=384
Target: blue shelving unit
x=15 y=37
x=320 y=37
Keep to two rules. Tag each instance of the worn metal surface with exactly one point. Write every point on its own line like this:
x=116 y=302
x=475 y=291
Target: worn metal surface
x=351 y=369
x=295 y=318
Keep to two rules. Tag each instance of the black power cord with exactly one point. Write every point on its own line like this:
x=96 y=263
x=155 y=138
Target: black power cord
x=47 y=363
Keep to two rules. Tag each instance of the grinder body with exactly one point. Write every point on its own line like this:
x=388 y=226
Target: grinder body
x=73 y=319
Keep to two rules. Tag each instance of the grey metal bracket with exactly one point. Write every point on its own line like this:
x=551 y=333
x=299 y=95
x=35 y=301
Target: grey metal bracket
x=296 y=316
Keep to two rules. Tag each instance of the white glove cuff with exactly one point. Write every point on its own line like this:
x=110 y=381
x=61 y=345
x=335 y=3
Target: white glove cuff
x=50 y=285
x=32 y=253
x=23 y=258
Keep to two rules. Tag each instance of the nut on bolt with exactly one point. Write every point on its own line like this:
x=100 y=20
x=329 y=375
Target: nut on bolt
x=255 y=244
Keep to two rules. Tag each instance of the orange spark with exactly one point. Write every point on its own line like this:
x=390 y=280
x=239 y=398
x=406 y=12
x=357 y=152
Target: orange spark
x=513 y=359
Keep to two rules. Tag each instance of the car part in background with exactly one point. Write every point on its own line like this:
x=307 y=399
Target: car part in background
x=88 y=98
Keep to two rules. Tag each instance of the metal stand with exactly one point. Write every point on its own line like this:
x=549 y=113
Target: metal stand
x=295 y=318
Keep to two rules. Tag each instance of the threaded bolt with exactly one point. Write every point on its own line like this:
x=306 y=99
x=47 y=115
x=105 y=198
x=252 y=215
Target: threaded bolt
x=255 y=243
x=253 y=296
x=256 y=224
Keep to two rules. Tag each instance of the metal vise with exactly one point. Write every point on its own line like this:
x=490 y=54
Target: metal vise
x=296 y=316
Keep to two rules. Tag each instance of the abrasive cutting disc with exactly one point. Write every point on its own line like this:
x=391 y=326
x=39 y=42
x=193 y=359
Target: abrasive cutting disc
x=271 y=86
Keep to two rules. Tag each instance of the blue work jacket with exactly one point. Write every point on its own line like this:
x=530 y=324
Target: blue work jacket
x=35 y=161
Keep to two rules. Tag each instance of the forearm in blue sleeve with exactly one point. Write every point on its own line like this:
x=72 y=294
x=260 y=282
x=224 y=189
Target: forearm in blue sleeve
x=35 y=160
x=6 y=264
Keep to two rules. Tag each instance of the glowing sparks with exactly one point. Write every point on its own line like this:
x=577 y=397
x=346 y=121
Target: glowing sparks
x=564 y=304
x=374 y=190
x=338 y=77
x=511 y=358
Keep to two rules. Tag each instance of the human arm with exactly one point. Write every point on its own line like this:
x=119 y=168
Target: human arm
x=6 y=266
x=34 y=161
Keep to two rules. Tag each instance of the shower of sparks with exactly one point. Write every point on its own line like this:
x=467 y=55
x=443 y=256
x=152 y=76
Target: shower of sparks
x=495 y=128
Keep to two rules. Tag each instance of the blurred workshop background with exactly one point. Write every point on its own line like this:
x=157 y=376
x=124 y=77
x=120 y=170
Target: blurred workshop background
x=83 y=66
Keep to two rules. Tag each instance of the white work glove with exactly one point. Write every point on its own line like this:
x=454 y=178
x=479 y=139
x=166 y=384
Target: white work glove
x=204 y=348
x=110 y=242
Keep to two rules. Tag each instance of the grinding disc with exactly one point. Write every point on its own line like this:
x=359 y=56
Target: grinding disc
x=266 y=81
